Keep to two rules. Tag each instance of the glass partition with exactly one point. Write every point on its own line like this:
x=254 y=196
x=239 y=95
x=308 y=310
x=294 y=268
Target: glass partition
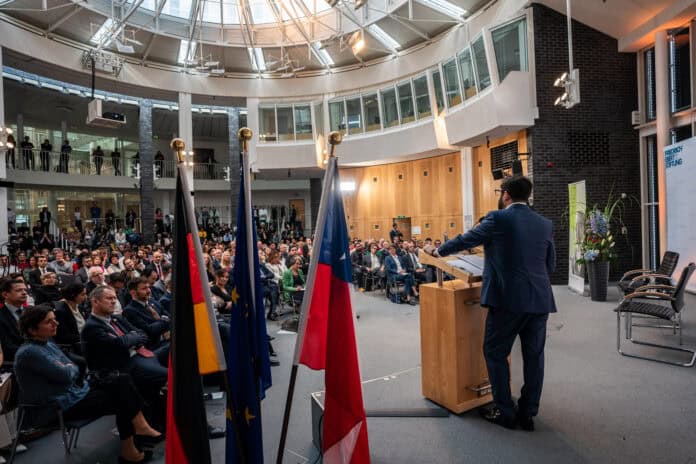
x=420 y=87
x=389 y=108
x=267 y=124
x=303 y=122
x=449 y=69
x=285 y=123
x=466 y=69
x=479 y=52
x=337 y=116
x=510 y=45
x=439 y=96
x=408 y=114
x=371 y=111
x=354 y=111
x=319 y=117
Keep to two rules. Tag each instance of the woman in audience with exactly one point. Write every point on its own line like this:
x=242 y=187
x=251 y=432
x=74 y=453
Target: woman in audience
x=220 y=290
x=114 y=266
x=47 y=376
x=294 y=281
x=209 y=269
x=97 y=262
x=276 y=266
x=70 y=317
x=48 y=291
x=226 y=262
x=31 y=267
x=120 y=238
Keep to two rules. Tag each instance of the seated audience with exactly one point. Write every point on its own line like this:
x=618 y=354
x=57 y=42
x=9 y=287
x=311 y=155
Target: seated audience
x=60 y=265
x=96 y=278
x=397 y=273
x=71 y=316
x=293 y=282
x=48 y=291
x=144 y=316
x=412 y=264
x=220 y=291
x=14 y=296
x=47 y=376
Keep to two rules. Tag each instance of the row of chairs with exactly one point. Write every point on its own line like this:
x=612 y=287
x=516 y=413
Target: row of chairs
x=651 y=297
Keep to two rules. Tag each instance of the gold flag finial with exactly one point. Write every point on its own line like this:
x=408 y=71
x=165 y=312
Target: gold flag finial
x=244 y=135
x=335 y=138
x=178 y=145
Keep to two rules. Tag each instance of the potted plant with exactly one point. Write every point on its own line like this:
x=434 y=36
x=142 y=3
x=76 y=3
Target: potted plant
x=599 y=246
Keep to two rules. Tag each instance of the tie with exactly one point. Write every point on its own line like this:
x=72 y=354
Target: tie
x=142 y=351
x=159 y=271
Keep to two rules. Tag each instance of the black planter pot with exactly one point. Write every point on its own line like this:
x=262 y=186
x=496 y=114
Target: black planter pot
x=598 y=274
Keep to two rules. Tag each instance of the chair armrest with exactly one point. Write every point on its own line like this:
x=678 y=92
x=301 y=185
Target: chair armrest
x=635 y=272
x=649 y=276
x=661 y=296
x=668 y=288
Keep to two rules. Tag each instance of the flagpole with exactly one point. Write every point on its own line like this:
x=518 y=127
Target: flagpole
x=244 y=134
x=335 y=138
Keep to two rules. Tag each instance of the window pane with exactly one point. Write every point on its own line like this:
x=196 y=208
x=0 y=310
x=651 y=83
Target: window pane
x=180 y=8
x=449 y=69
x=211 y=11
x=420 y=85
x=680 y=70
x=650 y=101
x=466 y=68
x=354 y=116
x=479 y=51
x=319 y=117
x=510 y=45
x=371 y=109
x=303 y=122
x=391 y=114
x=337 y=116
x=408 y=114
x=439 y=97
x=267 y=128
x=652 y=204
x=285 y=123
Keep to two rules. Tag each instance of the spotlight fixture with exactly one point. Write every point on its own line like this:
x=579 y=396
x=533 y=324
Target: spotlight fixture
x=360 y=3
x=357 y=41
x=571 y=84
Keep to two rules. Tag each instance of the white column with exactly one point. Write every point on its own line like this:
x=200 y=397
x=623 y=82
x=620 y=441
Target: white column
x=186 y=129
x=3 y=172
x=19 y=137
x=663 y=123
x=64 y=132
x=467 y=188
x=253 y=124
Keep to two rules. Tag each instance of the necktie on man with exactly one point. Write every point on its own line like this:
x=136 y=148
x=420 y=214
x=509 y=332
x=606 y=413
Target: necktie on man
x=142 y=351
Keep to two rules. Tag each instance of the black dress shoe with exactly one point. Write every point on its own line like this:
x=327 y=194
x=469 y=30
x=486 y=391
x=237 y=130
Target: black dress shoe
x=496 y=416
x=148 y=441
x=275 y=363
x=525 y=422
x=215 y=432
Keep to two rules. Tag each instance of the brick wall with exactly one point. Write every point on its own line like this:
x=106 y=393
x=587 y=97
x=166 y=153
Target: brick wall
x=593 y=141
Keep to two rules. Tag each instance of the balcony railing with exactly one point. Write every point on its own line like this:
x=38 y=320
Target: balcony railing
x=83 y=163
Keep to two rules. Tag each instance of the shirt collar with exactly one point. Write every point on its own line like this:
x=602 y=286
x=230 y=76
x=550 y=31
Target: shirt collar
x=516 y=203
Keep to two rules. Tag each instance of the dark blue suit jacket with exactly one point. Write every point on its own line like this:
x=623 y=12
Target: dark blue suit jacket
x=519 y=258
x=390 y=265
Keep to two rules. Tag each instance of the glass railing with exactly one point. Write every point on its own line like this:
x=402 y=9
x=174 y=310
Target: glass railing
x=83 y=163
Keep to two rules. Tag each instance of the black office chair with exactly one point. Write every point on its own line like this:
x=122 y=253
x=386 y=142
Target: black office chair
x=395 y=290
x=650 y=300
x=635 y=278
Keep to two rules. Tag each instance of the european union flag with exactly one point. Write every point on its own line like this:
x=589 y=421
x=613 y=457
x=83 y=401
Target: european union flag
x=249 y=367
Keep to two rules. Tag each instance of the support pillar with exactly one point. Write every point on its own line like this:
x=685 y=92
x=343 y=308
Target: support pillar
x=663 y=125
x=186 y=131
x=466 y=160
x=233 y=161
x=3 y=171
x=147 y=181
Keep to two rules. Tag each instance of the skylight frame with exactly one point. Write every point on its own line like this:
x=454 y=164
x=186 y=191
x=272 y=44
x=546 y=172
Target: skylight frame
x=183 y=45
x=104 y=30
x=446 y=8
x=258 y=61
x=323 y=55
x=382 y=37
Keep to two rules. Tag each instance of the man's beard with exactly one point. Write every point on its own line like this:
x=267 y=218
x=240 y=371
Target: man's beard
x=501 y=203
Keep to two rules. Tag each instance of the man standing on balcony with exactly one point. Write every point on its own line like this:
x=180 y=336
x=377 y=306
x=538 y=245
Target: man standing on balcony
x=159 y=164
x=46 y=149
x=116 y=161
x=65 y=151
x=95 y=212
x=28 y=154
x=45 y=219
x=98 y=155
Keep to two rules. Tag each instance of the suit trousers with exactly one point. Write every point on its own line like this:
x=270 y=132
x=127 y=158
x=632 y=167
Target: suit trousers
x=502 y=328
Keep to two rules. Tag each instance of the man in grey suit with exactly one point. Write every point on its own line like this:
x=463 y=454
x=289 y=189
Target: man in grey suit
x=519 y=259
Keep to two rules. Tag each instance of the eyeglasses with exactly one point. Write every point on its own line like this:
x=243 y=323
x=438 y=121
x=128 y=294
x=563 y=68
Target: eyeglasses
x=499 y=191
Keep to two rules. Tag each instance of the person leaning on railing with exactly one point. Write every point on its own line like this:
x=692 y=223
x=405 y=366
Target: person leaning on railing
x=65 y=151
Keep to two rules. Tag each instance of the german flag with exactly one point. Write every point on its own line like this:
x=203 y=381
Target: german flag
x=195 y=342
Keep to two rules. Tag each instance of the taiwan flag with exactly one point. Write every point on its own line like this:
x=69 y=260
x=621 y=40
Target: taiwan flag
x=328 y=340
x=195 y=348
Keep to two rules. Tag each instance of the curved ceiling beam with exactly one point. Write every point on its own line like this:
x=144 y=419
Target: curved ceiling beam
x=64 y=18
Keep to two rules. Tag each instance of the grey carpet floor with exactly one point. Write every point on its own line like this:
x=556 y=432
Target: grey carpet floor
x=597 y=407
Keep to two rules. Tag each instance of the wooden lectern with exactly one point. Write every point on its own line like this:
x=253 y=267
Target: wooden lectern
x=452 y=325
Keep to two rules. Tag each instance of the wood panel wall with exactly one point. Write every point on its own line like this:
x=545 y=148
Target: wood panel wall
x=485 y=198
x=429 y=191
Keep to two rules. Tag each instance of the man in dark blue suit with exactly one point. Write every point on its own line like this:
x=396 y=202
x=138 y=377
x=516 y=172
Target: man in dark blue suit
x=519 y=258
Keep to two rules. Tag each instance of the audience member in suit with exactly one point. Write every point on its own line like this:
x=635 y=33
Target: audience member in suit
x=48 y=291
x=359 y=269
x=519 y=260
x=374 y=264
x=83 y=272
x=151 y=276
x=111 y=343
x=41 y=269
x=141 y=314
x=47 y=376
x=164 y=273
x=59 y=265
x=396 y=272
x=96 y=279
x=412 y=264
x=71 y=317
x=14 y=296
x=166 y=301
x=118 y=283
